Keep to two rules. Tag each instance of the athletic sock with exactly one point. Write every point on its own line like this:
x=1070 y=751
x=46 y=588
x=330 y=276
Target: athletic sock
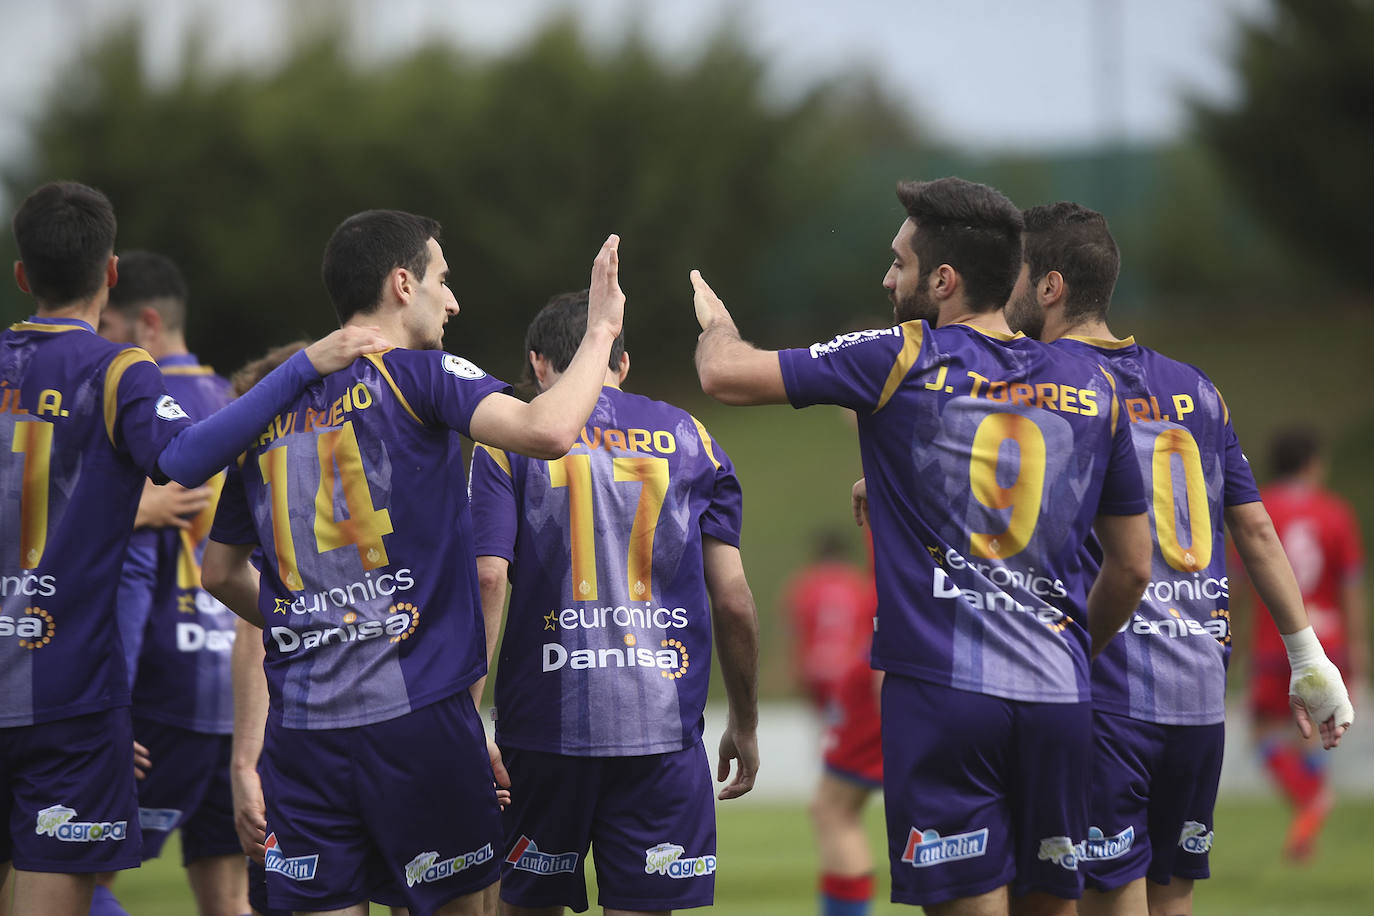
x=103 y=903
x=846 y=896
x=1286 y=764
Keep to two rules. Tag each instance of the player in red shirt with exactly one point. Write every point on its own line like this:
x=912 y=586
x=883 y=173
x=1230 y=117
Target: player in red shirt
x=830 y=606
x=1322 y=540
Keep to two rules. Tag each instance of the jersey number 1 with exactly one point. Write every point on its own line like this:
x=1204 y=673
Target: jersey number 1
x=575 y=473
x=365 y=524
x=33 y=440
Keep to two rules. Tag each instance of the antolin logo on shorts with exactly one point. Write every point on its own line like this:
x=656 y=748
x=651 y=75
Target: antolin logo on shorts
x=58 y=822
x=297 y=868
x=163 y=820
x=427 y=867
x=1060 y=850
x=527 y=857
x=925 y=848
x=1099 y=846
x=1195 y=838
x=667 y=859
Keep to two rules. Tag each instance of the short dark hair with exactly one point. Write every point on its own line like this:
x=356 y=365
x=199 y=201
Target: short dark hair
x=366 y=248
x=147 y=278
x=1075 y=241
x=557 y=331
x=1293 y=449
x=65 y=234
x=971 y=227
x=255 y=371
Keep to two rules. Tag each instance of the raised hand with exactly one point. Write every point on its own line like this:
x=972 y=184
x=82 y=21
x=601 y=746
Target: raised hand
x=605 y=300
x=708 y=306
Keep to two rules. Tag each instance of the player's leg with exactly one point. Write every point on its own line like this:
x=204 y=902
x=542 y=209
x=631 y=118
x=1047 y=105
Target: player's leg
x=1116 y=853
x=1049 y=768
x=846 y=861
x=210 y=849
x=654 y=836
x=485 y=902
x=548 y=828
x=946 y=753
x=6 y=884
x=1172 y=899
x=1181 y=811
x=357 y=909
x=71 y=793
x=433 y=822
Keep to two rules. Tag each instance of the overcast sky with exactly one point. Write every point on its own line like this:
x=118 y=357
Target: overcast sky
x=986 y=74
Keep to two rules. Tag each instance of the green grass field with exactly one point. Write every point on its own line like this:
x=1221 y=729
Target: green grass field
x=767 y=866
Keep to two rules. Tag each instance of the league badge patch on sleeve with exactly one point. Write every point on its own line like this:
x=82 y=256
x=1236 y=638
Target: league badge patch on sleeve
x=456 y=365
x=169 y=409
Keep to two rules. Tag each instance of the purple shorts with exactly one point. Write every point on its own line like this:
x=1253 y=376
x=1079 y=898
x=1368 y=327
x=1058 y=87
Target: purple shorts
x=405 y=803
x=67 y=794
x=186 y=788
x=257 y=893
x=651 y=819
x=981 y=792
x=1154 y=788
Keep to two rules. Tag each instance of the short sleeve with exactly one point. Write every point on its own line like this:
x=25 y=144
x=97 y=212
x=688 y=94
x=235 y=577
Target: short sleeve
x=860 y=370
x=233 y=516
x=439 y=388
x=1122 y=490
x=1239 y=485
x=141 y=417
x=495 y=512
x=723 y=518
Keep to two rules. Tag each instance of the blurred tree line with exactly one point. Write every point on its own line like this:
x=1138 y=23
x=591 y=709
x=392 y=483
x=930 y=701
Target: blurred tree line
x=531 y=158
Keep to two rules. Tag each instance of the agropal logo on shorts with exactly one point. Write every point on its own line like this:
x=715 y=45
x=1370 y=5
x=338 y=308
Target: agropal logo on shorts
x=925 y=848
x=456 y=365
x=427 y=867
x=60 y=823
x=1060 y=850
x=525 y=856
x=1195 y=838
x=668 y=859
x=297 y=868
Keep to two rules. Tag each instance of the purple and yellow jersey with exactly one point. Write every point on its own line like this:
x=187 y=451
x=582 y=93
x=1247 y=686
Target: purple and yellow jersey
x=356 y=496
x=82 y=422
x=607 y=649
x=1168 y=664
x=987 y=457
x=182 y=676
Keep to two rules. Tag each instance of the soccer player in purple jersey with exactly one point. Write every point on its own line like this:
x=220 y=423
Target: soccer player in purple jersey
x=1159 y=688
x=988 y=457
x=83 y=422
x=374 y=766
x=623 y=556
x=177 y=638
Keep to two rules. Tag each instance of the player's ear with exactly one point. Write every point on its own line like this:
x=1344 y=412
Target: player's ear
x=400 y=284
x=944 y=281
x=624 y=366
x=112 y=270
x=1052 y=288
x=19 y=279
x=540 y=367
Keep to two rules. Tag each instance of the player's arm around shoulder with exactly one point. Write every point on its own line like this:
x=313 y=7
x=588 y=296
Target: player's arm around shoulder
x=227 y=573
x=734 y=619
x=1125 y=572
x=732 y=370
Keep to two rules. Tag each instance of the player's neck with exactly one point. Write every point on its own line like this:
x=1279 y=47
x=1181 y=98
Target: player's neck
x=87 y=310
x=1095 y=329
x=993 y=320
x=167 y=345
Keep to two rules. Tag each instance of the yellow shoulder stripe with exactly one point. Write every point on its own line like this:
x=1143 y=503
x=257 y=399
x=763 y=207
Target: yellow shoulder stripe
x=113 y=373
x=1225 y=411
x=706 y=441
x=376 y=360
x=1116 y=406
x=46 y=328
x=906 y=358
x=188 y=370
x=501 y=458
